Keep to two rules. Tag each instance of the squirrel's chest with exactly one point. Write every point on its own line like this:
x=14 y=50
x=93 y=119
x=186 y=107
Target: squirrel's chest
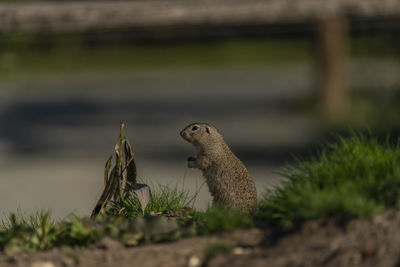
x=218 y=176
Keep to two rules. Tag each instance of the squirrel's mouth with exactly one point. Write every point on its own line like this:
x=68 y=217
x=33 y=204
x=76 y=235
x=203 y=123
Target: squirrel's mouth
x=183 y=134
x=186 y=137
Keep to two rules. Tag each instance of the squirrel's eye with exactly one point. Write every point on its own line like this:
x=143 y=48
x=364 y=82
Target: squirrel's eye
x=195 y=128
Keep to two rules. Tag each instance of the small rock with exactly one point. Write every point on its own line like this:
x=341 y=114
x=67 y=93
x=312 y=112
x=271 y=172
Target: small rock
x=150 y=215
x=67 y=261
x=238 y=251
x=107 y=244
x=173 y=213
x=43 y=264
x=194 y=261
x=368 y=251
x=159 y=226
x=12 y=259
x=241 y=251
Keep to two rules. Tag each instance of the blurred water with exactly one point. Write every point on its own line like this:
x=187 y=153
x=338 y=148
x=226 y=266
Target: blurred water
x=56 y=132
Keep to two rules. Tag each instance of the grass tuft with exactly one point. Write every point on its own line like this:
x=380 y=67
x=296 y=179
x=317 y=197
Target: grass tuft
x=162 y=199
x=352 y=178
x=37 y=232
x=216 y=220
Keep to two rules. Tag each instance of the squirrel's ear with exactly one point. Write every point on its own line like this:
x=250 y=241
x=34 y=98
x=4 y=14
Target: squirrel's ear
x=207 y=130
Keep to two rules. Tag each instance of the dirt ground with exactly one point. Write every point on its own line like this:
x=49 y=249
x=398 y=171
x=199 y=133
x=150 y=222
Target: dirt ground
x=374 y=242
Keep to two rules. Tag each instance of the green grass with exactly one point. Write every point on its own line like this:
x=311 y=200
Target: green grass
x=64 y=54
x=355 y=177
x=163 y=198
x=174 y=198
x=352 y=178
x=217 y=249
x=20 y=55
x=216 y=220
x=37 y=232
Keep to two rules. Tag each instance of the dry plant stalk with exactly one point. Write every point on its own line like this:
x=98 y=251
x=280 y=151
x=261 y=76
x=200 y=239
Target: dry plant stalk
x=122 y=176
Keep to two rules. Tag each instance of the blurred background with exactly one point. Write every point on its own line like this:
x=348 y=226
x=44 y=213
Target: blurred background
x=275 y=86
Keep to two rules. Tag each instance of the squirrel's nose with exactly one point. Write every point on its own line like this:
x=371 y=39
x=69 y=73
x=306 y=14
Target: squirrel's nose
x=182 y=133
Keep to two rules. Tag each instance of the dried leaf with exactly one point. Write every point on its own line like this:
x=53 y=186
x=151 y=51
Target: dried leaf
x=116 y=149
x=130 y=163
x=107 y=170
x=121 y=211
x=121 y=130
x=107 y=194
x=118 y=192
x=142 y=192
x=123 y=173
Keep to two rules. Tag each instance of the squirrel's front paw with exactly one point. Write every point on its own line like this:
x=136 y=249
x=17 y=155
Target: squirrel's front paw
x=191 y=162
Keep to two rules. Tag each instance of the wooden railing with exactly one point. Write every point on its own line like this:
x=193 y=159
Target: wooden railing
x=89 y=15
x=331 y=17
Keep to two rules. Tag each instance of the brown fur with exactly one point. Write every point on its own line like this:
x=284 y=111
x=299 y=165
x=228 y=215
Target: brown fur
x=227 y=178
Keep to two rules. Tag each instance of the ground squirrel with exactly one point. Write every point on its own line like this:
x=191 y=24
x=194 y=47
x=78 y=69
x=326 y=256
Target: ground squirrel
x=227 y=178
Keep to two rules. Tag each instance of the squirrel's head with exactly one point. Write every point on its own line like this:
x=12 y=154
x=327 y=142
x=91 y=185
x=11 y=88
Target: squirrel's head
x=200 y=134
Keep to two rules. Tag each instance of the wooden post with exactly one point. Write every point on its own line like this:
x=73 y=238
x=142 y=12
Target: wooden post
x=333 y=41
